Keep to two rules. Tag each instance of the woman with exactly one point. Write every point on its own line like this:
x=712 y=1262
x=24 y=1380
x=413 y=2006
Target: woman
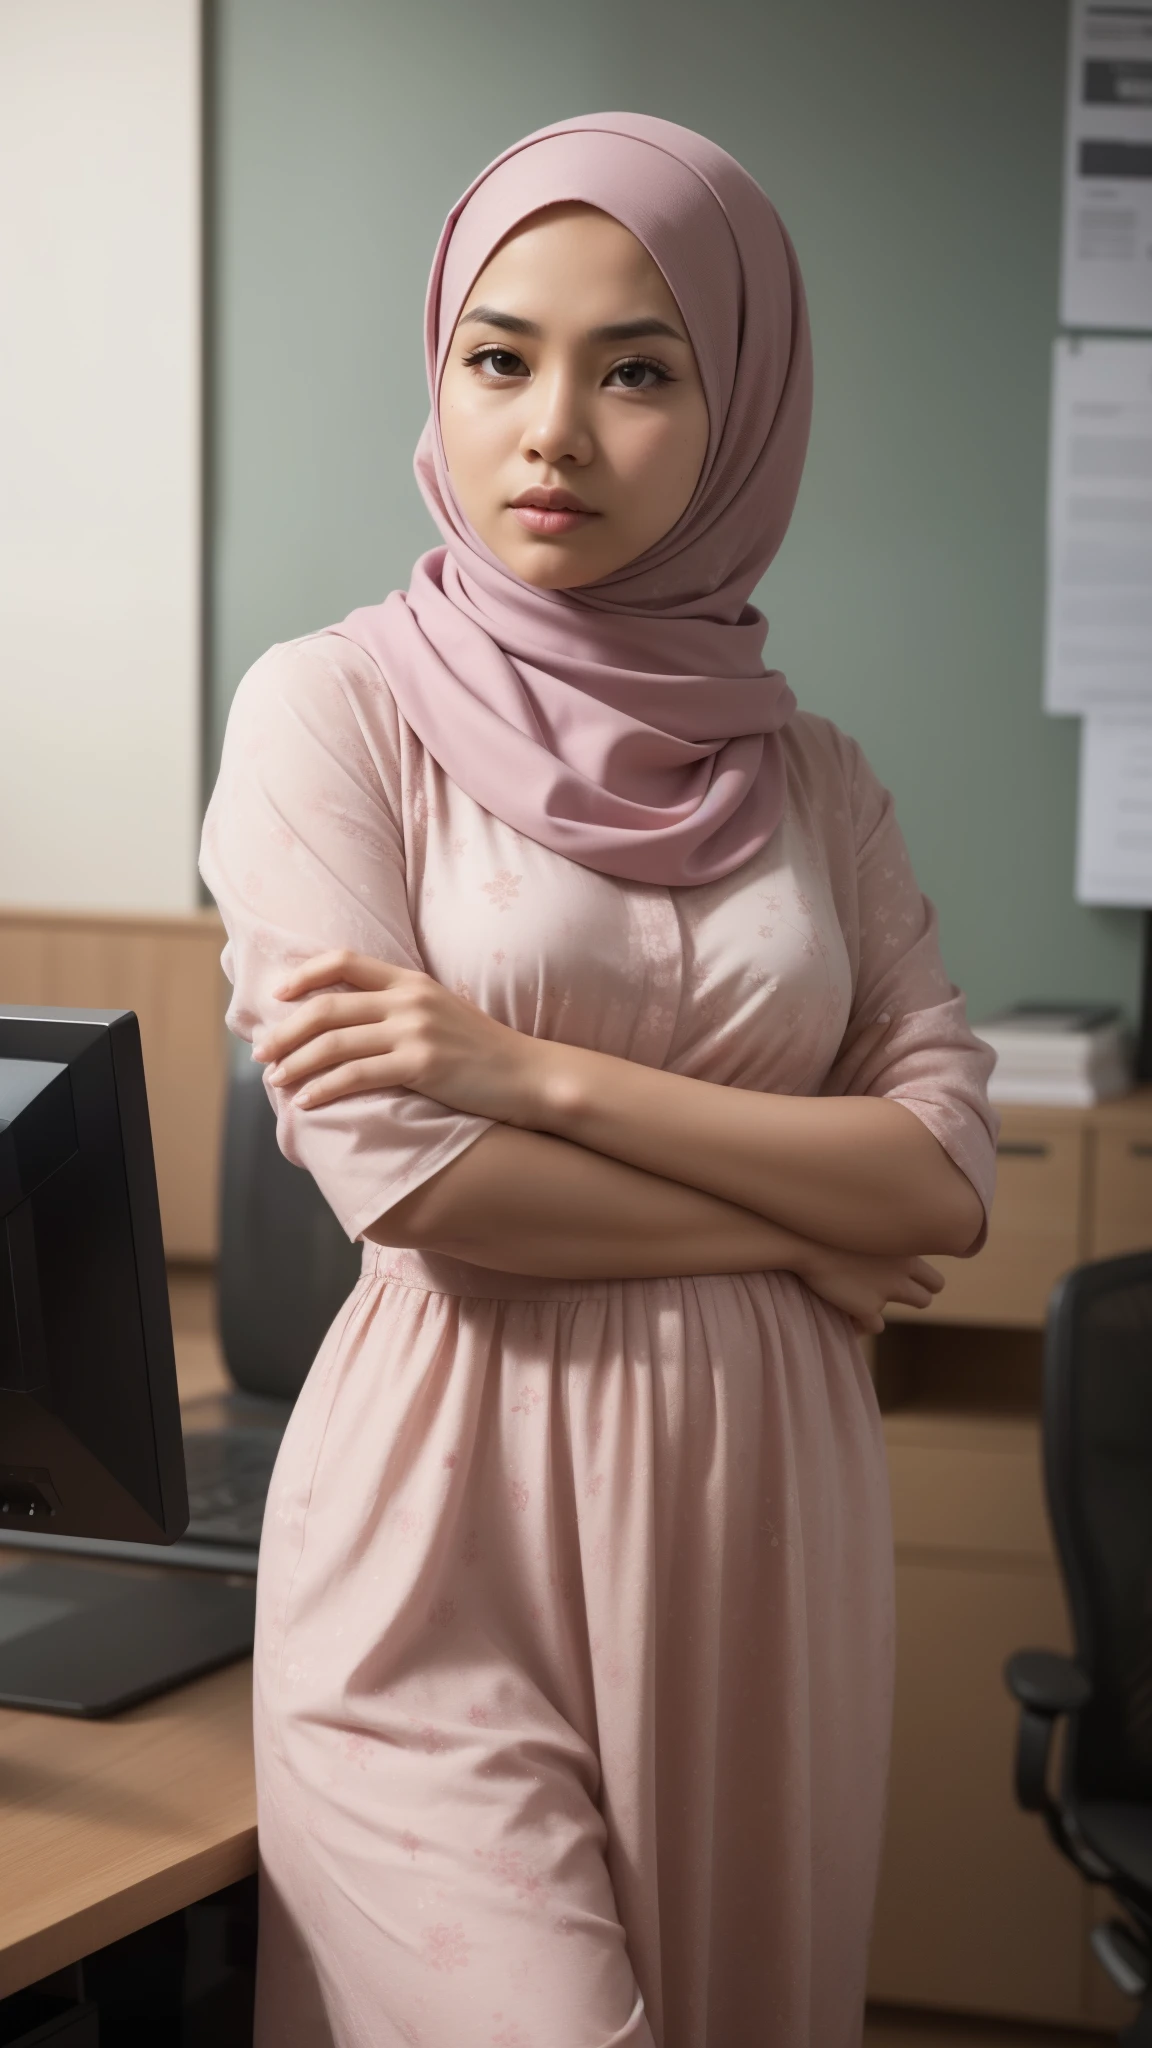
x=597 y=993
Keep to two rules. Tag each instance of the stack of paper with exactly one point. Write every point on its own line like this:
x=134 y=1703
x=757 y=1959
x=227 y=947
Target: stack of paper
x=1056 y=1053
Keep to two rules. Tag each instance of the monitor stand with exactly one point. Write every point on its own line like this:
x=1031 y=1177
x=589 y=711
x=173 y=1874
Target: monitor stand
x=90 y=1640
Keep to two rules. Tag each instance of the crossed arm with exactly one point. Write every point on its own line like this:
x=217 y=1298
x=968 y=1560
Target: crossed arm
x=596 y=1166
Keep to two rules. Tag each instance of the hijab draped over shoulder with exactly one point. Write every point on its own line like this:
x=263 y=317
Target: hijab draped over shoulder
x=629 y=724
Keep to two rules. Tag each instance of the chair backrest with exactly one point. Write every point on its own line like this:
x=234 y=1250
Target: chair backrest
x=285 y=1264
x=1098 y=1472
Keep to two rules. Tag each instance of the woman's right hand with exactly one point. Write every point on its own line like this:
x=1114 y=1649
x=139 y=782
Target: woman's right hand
x=863 y=1283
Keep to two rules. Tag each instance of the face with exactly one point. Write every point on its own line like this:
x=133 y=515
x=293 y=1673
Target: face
x=571 y=409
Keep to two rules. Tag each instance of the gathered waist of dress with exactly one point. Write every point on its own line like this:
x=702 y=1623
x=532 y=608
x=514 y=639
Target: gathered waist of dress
x=435 y=1273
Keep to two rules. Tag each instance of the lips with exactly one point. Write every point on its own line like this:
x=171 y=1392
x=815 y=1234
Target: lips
x=550 y=500
x=539 y=520
x=550 y=513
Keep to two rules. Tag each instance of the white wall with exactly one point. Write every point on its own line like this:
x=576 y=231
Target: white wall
x=99 y=452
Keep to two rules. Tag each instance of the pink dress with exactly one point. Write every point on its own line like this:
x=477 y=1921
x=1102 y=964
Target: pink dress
x=574 y=1647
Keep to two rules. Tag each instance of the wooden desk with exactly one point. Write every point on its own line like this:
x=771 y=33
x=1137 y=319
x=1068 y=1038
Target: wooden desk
x=109 y=1825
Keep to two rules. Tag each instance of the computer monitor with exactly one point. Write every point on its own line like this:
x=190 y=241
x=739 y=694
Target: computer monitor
x=90 y=1440
x=90 y=1436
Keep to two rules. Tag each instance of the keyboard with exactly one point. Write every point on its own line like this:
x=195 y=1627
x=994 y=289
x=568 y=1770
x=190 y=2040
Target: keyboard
x=228 y=1474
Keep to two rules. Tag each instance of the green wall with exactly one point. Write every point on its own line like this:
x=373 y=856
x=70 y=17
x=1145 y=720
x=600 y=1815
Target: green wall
x=913 y=147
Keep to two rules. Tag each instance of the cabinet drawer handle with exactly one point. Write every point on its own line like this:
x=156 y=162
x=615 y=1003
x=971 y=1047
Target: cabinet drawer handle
x=1140 y=1151
x=1016 y=1148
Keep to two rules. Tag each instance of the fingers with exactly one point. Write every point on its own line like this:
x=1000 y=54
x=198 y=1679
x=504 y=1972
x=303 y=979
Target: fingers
x=323 y=1013
x=917 y=1285
x=359 y=970
x=927 y=1276
x=356 y=1077
x=330 y=1049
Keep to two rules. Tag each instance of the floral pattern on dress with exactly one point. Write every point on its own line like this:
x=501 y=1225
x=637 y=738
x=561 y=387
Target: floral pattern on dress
x=574 y=1634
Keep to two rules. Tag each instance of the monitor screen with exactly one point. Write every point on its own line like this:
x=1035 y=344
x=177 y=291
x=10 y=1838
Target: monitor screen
x=90 y=1441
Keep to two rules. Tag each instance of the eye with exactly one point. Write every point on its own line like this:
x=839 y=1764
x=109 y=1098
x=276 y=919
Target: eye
x=639 y=368
x=498 y=365
x=501 y=364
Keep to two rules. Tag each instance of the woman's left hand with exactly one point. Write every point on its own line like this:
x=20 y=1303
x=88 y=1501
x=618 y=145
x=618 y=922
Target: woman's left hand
x=394 y=1028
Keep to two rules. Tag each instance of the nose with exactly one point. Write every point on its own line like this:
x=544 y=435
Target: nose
x=556 y=429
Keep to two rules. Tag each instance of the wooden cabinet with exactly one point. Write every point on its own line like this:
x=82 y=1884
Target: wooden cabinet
x=977 y=1912
x=1121 y=1209
x=167 y=969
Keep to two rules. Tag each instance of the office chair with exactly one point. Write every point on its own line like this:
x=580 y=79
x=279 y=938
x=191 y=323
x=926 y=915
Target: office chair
x=1097 y=1434
x=285 y=1264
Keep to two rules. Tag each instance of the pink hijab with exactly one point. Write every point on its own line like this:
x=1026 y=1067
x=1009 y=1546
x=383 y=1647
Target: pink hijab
x=629 y=724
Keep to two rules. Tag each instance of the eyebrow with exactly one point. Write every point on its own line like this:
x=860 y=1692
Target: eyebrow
x=617 y=330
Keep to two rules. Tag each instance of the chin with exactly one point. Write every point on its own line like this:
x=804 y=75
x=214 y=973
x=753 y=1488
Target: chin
x=544 y=573
x=554 y=577
x=552 y=566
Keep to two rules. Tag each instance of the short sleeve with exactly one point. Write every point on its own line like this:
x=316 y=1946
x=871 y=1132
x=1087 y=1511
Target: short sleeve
x=303 y=850
x=925 y=1056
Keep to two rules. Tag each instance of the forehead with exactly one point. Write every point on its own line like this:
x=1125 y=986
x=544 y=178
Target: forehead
x=565 y=251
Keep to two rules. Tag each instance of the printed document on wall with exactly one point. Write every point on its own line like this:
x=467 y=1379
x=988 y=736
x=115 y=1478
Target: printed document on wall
x=1106 y=272
x=1098 y=636
x=1114 y=836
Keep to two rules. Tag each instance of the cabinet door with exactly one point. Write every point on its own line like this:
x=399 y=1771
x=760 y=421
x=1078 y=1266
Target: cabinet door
x=1122 y=1202
x=976 y=1911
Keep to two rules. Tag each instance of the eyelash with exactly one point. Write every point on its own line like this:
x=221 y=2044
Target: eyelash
x=492 y=348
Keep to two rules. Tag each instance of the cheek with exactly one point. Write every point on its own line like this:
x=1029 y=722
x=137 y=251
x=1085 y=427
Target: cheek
x=656 y=461
x=474 y=441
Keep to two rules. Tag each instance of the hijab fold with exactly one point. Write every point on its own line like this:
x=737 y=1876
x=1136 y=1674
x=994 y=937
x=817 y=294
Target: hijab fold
x=629 y=724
